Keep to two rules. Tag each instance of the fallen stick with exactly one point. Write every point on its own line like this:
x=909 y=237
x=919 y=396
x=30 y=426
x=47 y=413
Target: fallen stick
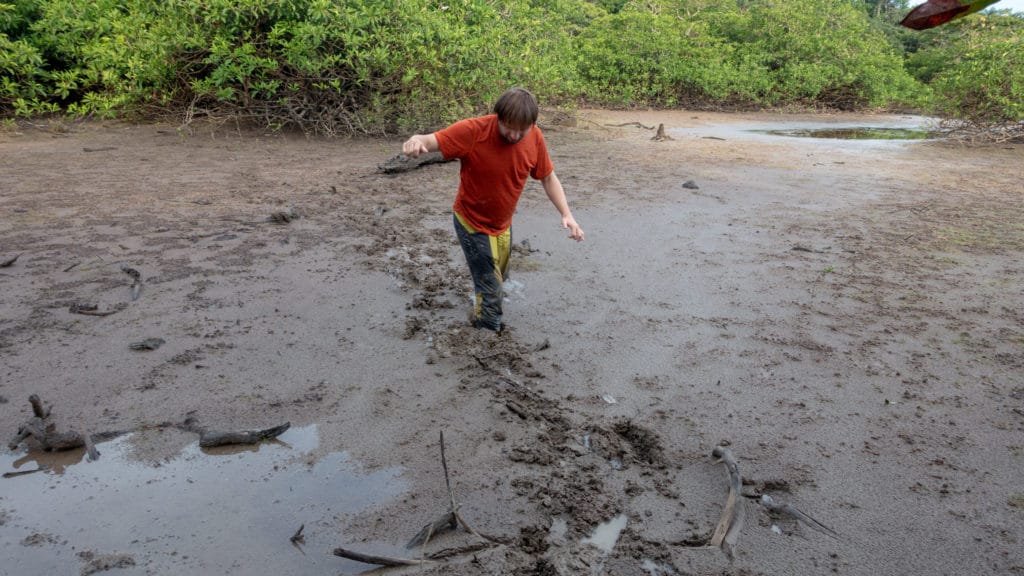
x=210 y=439
x=729 y=525
x=25 y=472
x=147 y=344
x=93 y=310
x=450 y=552
x=48 y=440
x=637 y=124
x=378 y=560
x=796 y=514
x=403 y=163
x=10 y=261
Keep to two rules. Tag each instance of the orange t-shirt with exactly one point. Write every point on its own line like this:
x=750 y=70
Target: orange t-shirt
x=493 y=171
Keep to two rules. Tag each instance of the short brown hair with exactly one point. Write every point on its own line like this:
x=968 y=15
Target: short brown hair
x=517 y=108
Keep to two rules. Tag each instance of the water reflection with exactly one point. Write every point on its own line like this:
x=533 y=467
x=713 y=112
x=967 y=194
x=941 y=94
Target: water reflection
x=209 y=511
x=857 y=133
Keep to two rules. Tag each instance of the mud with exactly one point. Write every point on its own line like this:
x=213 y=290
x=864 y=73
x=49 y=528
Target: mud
x=846 y=316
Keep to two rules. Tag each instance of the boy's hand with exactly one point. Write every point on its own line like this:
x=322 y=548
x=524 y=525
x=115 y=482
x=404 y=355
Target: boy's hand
x=575 y=232
x=413 y=147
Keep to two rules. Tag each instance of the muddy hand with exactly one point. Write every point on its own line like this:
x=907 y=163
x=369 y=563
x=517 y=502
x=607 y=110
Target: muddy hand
x=413 y=148
x=575 y=232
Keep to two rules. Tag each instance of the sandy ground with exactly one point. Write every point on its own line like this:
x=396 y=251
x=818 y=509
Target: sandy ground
x=847 y=317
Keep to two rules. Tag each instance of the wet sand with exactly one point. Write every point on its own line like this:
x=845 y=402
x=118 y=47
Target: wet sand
x=847 y=316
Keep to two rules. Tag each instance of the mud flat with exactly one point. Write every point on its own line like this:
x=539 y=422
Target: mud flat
x=847 y=318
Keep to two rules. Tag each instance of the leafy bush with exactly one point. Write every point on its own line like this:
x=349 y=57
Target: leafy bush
x=635 y=57
x=976 y=69
x=368 y=66
x=821 y=52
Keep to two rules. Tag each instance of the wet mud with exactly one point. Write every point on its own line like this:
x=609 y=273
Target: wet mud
x=846 y=317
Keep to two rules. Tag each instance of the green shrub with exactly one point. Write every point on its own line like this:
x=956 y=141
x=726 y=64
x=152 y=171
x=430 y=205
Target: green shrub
x=821 y=52
x=637 y=57
x=976 y=68
x=370 y=66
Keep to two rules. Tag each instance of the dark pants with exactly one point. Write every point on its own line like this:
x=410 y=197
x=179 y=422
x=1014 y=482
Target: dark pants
x=487 y=257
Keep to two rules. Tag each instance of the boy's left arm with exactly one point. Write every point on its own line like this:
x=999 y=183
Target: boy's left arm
x=553 y=188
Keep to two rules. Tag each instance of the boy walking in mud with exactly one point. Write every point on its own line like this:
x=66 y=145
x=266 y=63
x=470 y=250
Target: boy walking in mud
x=497 y=153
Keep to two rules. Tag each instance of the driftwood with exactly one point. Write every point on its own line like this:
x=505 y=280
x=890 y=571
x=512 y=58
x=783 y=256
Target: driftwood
x=93 y=310
x=637 y=124
x=729 y=525
x=25 y=472
x=44 y=432
x=403 y=163
x=210 y=439
x=796 y=514
x=378 y=560
x=285 y=216
x=449 y=521
x=10 y=261
x=147 y=344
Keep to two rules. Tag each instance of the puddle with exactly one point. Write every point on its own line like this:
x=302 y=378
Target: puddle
x=885 y=130
x=856 y=133
x=606 y=535
x=203 y=512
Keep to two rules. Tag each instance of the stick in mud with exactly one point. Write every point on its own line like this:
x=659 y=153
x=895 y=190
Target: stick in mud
x=91 y=453
x=378 y=560
x=298 y=539
x=727 y=531
x=211 y=439
x=637 y=124
x=451 y=496
x=136 y=280
x=49 y=440
x=93 y=310
x=37 y=407
x=25 y=472
x=449 y=521
x=403 y=163
x=795 y=513
x=661 y=136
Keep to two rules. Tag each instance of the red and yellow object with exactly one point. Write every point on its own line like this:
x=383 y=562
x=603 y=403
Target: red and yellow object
x=937 y=12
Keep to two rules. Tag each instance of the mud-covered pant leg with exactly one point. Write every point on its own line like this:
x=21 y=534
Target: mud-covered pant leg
x=487 y=257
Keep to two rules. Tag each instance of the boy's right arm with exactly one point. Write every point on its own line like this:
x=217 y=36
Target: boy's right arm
x=420 y=144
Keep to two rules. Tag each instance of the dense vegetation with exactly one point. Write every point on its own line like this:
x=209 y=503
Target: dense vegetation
x=375 y=66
